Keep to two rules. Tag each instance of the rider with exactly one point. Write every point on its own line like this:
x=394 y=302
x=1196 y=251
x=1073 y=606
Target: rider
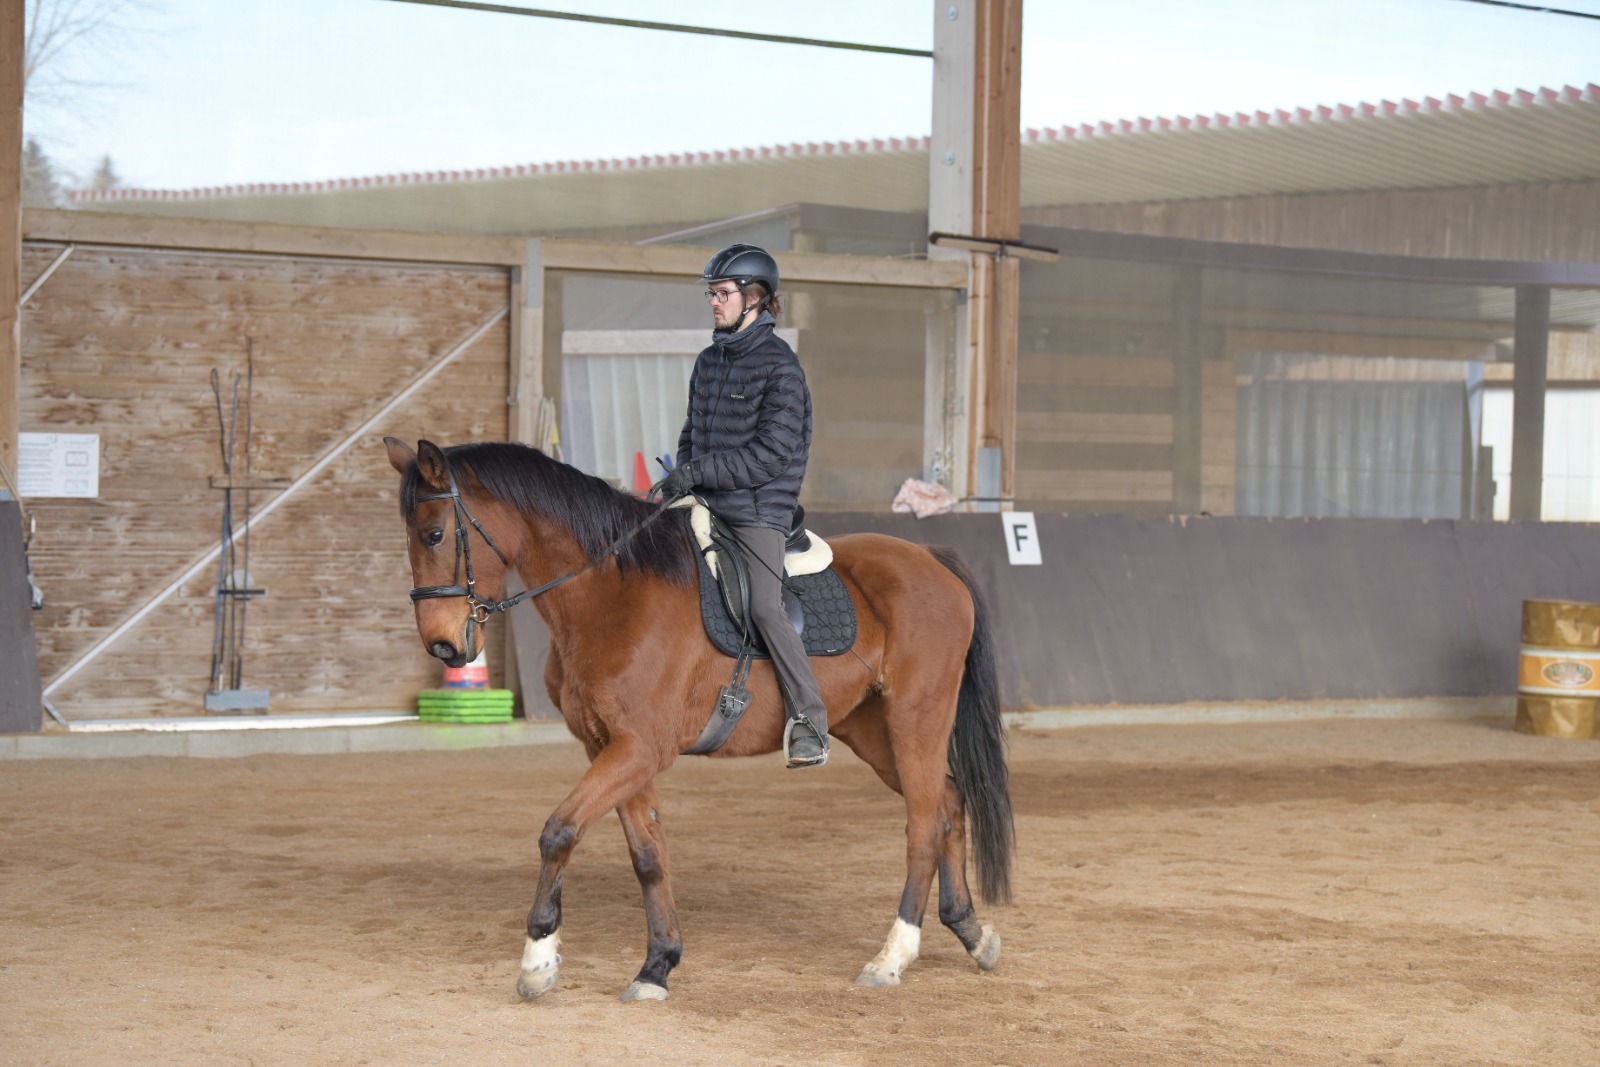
x=744 y=444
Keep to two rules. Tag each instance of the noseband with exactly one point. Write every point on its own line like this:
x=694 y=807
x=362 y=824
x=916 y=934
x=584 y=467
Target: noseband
x=482 y=607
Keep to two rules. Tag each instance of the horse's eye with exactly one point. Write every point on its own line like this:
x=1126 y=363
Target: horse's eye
x=433 y=537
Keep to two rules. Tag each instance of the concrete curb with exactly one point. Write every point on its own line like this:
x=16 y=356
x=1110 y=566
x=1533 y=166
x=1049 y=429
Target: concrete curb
x=308 y=741
x=205 y=740
x=1263 y=712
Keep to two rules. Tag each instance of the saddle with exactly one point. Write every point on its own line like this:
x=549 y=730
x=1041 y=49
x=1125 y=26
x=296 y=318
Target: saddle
x=814 y=596
x=818 y=605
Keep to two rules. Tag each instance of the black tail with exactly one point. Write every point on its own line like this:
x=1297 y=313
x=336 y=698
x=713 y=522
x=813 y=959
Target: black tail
x=978 y=749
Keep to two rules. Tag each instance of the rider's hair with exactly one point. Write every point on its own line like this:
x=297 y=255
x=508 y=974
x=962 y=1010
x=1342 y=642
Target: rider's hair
x=756 y=291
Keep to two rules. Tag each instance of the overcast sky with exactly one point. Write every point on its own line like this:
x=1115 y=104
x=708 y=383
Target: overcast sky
x=211 y=92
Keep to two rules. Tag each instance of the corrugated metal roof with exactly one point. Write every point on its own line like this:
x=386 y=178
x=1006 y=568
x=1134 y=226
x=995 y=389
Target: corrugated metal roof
x=1478 y=139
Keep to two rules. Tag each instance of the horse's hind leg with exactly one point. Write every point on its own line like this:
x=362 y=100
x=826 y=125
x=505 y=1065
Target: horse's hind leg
x=647 y=844
x=914 y=767
x=924 y=844
x=955 y=899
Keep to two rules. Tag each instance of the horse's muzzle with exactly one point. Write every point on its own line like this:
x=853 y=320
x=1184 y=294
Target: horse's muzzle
x=446 y=651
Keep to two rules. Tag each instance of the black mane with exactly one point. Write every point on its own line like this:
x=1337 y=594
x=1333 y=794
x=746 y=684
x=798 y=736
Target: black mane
x=595 y=513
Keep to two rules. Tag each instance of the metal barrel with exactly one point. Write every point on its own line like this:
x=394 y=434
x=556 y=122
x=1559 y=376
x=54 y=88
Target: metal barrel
x=1558 y=672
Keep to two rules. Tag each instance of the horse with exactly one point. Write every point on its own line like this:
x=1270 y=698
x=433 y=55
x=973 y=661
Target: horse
x=635 y=677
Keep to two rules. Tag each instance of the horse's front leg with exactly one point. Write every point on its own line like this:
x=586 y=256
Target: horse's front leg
x=621 y=770
x=647 y=844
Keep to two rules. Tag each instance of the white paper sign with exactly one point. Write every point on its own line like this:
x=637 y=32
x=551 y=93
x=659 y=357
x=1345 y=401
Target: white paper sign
x=1022 y=538
x=58 y=464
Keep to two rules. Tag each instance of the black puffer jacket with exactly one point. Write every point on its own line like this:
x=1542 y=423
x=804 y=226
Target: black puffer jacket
x=748 y=433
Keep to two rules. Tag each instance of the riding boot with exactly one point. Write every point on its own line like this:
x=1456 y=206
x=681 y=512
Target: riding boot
x=805 y=737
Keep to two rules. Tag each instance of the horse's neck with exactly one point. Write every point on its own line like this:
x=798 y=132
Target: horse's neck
x=551 y=552
x=547 y=552
x=597 y=599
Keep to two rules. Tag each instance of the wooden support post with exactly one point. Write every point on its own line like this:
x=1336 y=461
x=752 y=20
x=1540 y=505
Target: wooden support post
x=1188 y=358
x=975 y=189
x=525 y=376
x=1531 y=356
x=997 y=126
x=12 y=44
x=526 y=639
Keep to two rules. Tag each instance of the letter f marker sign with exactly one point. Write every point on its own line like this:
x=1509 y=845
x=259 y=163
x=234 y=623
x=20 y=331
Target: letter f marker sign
x=1022 y=538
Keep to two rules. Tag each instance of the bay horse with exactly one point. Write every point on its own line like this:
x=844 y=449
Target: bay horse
x=615 y=579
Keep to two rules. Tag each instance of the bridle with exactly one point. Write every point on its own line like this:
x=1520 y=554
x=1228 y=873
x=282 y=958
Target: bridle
x=483 y=609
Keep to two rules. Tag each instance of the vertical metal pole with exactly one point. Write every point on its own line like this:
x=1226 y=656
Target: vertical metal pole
x=1188 y=360
x=939 y=320
x=1532 y=356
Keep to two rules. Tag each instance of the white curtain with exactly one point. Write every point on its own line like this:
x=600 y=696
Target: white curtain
x=1571 y=453
x=1321 y=436
x=624 y=395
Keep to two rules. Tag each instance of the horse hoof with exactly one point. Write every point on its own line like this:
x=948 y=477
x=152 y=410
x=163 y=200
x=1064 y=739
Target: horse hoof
x=540 y=966
x=534 y=984
x=899 y=952
x=987 y=951
x=871 y=975
x=644 y=991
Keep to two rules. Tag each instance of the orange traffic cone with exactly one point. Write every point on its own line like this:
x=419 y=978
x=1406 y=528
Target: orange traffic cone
x=474 y=675
x=641 y=475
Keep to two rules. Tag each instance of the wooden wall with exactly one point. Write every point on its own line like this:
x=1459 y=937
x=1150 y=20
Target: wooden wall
x=122 y=342
x=1551 y=221
x=864 y=357
x=1097 y=398
x=1095 y=433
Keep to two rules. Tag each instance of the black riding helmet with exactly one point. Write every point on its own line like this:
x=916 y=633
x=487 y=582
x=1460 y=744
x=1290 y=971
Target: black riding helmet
x=743 y=264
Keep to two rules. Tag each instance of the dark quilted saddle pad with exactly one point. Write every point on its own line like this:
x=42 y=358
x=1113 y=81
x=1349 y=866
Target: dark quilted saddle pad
x=830 y=615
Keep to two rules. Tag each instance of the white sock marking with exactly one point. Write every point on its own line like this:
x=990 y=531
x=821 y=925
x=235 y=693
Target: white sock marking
x=541 y=954
x=899 y=952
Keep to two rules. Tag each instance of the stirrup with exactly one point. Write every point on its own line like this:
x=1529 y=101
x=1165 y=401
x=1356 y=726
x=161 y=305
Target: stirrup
x=788 y=735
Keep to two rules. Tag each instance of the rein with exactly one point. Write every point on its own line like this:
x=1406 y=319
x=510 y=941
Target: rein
x=482 y=607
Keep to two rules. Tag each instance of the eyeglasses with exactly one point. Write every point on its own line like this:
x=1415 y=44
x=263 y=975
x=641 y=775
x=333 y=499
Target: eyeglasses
x=719 y=296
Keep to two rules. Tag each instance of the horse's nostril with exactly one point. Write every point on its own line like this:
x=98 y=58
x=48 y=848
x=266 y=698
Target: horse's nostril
x=442 y=650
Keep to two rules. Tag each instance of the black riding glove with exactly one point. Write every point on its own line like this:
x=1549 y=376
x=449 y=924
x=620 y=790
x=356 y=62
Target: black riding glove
x=678 y=482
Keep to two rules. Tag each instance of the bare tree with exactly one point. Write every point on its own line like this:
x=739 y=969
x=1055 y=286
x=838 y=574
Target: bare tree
x=59 y=35
x=56 y=28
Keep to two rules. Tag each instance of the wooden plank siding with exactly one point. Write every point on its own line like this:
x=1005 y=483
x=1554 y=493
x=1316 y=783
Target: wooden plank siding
x=1557 y=221
x=1095 y=433
x=122 y=342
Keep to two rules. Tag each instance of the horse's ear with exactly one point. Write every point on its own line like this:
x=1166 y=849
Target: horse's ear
x=432 y=465
x=400 y=454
